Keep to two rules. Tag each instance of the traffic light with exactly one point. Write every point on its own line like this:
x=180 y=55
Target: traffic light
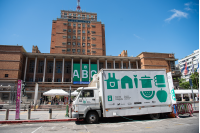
x=23 y=89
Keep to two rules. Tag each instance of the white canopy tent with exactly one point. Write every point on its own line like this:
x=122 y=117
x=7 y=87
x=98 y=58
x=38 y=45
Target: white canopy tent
x=75 y=93
x=56 y=92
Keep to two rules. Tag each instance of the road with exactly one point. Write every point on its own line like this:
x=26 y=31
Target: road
x=184 y=124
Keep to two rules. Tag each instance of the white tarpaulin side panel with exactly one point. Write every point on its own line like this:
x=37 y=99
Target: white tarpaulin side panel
x=135 y=88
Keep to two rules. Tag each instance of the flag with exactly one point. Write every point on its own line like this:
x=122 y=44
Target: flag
x=185 y=69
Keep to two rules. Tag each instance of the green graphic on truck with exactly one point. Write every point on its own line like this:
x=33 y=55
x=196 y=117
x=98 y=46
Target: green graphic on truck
x=112 y=82
x=147 y=94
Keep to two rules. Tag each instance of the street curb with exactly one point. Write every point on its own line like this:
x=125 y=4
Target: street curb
x=34 y=121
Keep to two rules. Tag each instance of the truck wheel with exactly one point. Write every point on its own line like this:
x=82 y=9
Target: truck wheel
x=154 y=116
x=92 y=117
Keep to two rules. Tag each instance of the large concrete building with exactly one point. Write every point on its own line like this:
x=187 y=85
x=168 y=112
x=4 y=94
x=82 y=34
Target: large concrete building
x=78 y=33
x=190 y=59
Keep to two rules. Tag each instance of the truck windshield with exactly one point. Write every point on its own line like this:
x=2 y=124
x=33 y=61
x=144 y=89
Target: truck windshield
x=87 y=93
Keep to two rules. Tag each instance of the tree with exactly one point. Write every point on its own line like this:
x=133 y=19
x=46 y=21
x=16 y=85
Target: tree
x=184 y=84
x=195 y=80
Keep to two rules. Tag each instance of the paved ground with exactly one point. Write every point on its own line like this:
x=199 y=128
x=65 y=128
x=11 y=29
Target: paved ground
x=184 y=124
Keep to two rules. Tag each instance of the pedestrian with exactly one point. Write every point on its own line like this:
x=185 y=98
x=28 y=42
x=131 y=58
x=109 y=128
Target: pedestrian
x=40 y=100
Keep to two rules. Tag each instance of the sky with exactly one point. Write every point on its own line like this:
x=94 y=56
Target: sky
x=162 y=26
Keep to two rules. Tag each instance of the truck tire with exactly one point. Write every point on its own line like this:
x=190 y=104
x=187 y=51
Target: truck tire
x=154 y=116
x=92 y=117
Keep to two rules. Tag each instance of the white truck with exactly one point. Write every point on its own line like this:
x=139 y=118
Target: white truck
x=123 y=92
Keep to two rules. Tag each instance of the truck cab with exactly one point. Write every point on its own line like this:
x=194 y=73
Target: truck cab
x=86 y=105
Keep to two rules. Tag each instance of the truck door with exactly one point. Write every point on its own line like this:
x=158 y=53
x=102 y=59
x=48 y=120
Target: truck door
x=87 y=99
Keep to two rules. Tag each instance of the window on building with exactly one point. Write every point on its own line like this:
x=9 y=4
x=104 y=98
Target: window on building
x=74 y=37
x=50 y=67
x=87 y=16
x=79 y=31
x=132 y=66
x=79 y=37
x=83 y=31
x=64 y=37
x=100 y=65
x=83 y=38
x=94 y=45
x=69 y=30
x=30 y=79
x=5 y=96
x=93 y=26
x=40 y=79
x=79 y=25
x=93 y=32
x=6 y=75
x=79 y=44
x=68 y=50
x=67 y=67
x=78 y=50
x=73 y=43
x=64 y=43
x=88 y=38
x=83 y=25
x=49 y=80
x=93 y=38
x=124 y=65
x=64 y=30
x=79 y=16
x=40 y=66
x=172 y=64
x=74 y=31
x=64 y=23
x=69 y=24
x=74 y=15
x=73 y=50
x=74 y=25
x=88 y=32
x=68 y=37
x=63 y=50
x=88 y=51
x=58 y=80
x=116 y=65
x=93 y=52
x=83 y=50
x=67 y=80
x=83 y=16
x=83 y=44
x=88 y=26
x=88 y=44
x=68 y=43
x=31 y=66
x=58 y=66
x=108 y=65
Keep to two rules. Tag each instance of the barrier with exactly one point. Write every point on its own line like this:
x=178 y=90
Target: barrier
x=182 y=108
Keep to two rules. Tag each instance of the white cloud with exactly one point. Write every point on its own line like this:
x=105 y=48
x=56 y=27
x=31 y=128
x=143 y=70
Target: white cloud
x=177 y=14
x=137 y=36
x=189 y=5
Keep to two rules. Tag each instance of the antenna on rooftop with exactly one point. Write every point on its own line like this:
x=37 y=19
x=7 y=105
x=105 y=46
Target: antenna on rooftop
x=78 y=8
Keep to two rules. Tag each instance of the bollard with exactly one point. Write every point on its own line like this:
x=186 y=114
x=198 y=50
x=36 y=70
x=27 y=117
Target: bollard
x=29 y=113
x=50 y=113
x=7 y=114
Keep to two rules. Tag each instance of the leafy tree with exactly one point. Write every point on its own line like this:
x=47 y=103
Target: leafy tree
x=184 y=84
x=195 y=80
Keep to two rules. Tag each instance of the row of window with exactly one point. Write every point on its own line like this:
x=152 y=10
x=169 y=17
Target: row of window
x=67 y=67
x=79 y=31
x=78 y=37
x=49 y=80
x=78 y=50
x=79 y=44
x=79 y=16
x=79 y=25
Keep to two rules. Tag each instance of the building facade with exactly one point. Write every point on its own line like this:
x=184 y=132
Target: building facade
x=190 y=59
x=78 y=33
x=54 y=71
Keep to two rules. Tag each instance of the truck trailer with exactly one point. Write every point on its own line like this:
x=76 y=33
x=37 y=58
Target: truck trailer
x=123 y=92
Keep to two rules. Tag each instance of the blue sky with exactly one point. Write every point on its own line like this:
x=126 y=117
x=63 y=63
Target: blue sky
x=164 y=26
